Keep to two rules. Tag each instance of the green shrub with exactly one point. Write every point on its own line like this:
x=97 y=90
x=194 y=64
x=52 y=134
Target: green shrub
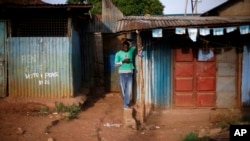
x=44 y=110
x=192 y=136
x=222 y=124
x=70 y=111
x=60 y=107
x=245 y=119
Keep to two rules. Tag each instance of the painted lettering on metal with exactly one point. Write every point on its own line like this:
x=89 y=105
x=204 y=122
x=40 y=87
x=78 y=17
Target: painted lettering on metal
x=33 y=70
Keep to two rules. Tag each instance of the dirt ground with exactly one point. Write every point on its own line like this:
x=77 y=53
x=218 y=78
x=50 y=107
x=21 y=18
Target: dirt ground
x=101 y=119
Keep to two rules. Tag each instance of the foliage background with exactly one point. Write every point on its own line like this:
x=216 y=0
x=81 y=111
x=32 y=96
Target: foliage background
x=128 y=7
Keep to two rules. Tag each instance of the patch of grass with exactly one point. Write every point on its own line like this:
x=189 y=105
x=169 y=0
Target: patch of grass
x=245 y=119
x=70 y=111
x=60 y=107
x=192 y=136
x=44 y=110
x=222 y=125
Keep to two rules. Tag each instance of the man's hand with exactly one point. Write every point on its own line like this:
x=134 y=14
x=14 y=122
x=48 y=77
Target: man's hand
x=127 y=60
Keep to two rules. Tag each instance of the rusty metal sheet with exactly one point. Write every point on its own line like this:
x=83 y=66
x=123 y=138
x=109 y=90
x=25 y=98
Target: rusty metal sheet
x=205 y=99
x=132 y=23
x=184 y=84
x=205 y=83
x=184 y=69
x=195 y=82
x=184 y=55
x=205 y=69
x=184 y=99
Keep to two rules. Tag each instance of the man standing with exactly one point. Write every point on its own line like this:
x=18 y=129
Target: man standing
x=124 y=60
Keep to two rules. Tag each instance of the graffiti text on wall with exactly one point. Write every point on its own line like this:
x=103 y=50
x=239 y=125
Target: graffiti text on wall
x=34 y=71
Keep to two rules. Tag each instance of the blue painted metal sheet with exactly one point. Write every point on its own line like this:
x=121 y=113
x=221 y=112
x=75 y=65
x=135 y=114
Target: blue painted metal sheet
x=245 y=87
x=77 y=70
x=2 y=59
x=40 y=67
x=156 y=71
x=162 y=74
x=111 y=74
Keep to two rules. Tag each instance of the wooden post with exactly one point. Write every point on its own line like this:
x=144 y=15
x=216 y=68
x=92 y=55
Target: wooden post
x=239 y=76
x=140 y=79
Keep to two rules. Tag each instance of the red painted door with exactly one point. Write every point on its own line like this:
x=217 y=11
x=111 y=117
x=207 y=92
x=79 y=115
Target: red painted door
x=194 y=81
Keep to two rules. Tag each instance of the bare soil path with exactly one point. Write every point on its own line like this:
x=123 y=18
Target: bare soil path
x=101 y=119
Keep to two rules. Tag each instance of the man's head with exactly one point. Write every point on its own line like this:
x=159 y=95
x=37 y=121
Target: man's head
x=125 y=46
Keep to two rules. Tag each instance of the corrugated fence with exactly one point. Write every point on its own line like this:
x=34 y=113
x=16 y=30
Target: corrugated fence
x=40 y=67
x=157 y=71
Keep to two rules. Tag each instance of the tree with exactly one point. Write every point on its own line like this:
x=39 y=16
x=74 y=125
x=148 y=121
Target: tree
x=128 y=7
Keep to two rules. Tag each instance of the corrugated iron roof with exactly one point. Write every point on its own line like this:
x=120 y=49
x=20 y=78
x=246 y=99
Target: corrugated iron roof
x=132 y=23
x=22 y=2
x=28 y=9
x=46 y=5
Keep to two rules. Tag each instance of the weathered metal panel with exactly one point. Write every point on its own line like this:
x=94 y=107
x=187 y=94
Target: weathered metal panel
x=194 y=81
x=205 y=99
x=184 y=69
x=184 y=99
x=77 y=70
x=156 y=71
x=94 y=25
x=110 y=15
x=226 y=91
x=245 y=88
x=184 y=84
x=132 y=23
x=184 y=81
x=205 y=83
x=40 y=67
x=162 y=74
x=2 y=59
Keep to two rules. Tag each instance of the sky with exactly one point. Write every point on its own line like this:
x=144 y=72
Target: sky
x=173 y=6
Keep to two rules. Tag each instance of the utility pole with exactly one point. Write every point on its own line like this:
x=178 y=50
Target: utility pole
x=194 y=5
x=186 y=8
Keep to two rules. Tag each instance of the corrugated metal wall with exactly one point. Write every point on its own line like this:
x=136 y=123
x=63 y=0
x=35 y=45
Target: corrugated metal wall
x=3 y=74
x=110 y=15
x=157 y=68
x=40 y=67
x=226 y=90
x=245 y=89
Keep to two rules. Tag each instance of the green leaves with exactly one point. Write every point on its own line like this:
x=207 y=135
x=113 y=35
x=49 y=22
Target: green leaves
x=128 y=7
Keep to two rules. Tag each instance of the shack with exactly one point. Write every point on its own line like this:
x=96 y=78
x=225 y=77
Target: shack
x=41 y=51
x=189 y=61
